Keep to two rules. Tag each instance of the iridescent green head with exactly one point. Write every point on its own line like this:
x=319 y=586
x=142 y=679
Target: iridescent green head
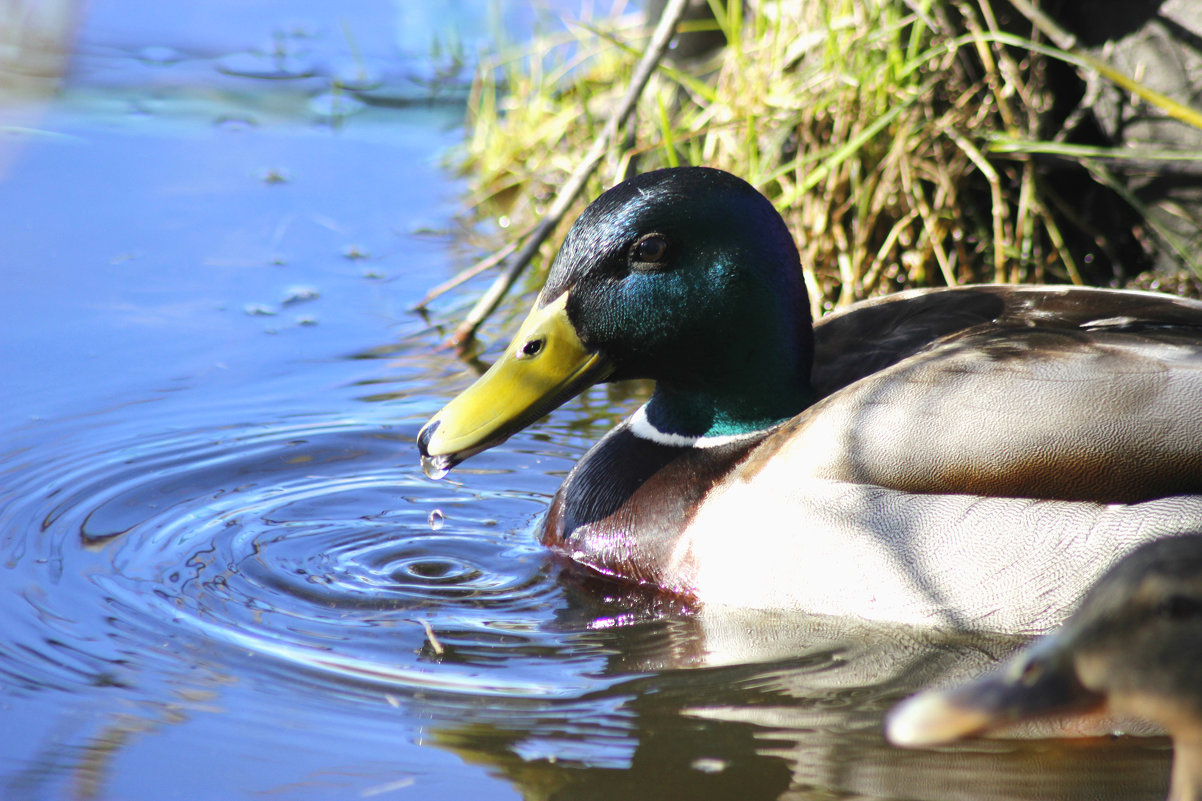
x=687 y=276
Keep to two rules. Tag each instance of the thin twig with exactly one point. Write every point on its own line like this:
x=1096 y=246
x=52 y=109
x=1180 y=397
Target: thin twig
x=435 y=645
x=489 y=301
x=1066 y=255
x=487 y=263
x=930 y=224
x=997 y=202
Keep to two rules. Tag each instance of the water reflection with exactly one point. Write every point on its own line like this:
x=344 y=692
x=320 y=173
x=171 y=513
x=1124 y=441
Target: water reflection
x=221 y=578
x=749 y=705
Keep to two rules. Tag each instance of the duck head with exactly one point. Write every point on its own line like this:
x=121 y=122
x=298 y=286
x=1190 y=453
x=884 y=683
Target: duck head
x=687 y=276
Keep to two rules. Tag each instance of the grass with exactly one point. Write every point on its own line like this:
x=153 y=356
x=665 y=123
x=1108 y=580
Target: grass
x=904 y=141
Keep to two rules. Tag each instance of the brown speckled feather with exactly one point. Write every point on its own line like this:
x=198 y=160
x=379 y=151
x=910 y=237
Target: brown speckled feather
x=1040 y=393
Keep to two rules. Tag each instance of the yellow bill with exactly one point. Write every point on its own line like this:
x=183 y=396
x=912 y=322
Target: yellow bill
x=544 y=366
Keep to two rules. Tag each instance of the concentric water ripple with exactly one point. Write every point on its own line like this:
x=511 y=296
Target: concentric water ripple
x=316 y=546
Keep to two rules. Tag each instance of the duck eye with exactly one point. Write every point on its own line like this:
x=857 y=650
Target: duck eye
x=531 y=348
x=650 y=252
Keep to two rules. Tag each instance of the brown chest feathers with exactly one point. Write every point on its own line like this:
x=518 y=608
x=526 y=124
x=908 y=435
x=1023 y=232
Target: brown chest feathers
x=623 y=509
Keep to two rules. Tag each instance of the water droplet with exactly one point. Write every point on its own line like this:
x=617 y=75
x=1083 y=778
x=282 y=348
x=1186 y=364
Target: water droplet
x=437 y=519
x=274 y=175
x=159 y=54
x=299 y=294
x=232 y=122
x=277 y=65
x=356 y=76
x=434 y=467
x=335 y=106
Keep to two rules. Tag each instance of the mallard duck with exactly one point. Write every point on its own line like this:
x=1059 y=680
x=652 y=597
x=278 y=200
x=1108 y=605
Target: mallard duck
x=971 y=457
x=1133 y=648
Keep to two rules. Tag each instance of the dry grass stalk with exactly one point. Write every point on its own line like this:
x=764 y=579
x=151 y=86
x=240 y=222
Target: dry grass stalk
x=867 y=122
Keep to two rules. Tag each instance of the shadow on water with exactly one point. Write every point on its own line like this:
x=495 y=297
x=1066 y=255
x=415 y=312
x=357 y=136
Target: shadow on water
x=223 y=573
